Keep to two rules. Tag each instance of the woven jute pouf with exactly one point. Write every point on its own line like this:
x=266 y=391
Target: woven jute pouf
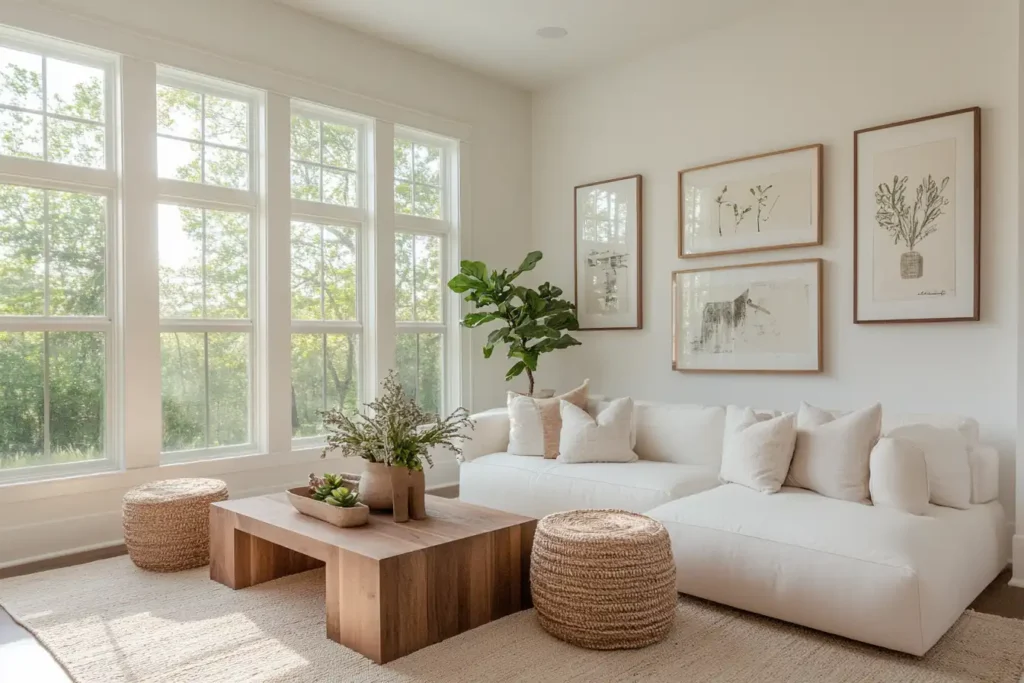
x=167 y=523
x=603 y=579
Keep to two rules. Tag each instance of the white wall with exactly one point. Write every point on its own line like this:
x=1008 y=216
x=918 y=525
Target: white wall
x=255 y=42
x=799 y=72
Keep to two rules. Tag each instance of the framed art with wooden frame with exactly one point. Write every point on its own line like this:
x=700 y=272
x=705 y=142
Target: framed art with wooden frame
x=756 y=203
x=917 y=220
x=608 y=248
x=757 y=317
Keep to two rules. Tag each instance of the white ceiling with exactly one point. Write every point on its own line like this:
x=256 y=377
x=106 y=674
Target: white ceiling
x=498 y=37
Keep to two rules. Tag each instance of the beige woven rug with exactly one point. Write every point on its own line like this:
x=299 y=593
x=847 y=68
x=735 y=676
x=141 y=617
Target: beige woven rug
x=109 y=622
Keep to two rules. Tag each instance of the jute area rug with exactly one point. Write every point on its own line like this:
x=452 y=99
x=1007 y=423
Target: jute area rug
x=108 y=622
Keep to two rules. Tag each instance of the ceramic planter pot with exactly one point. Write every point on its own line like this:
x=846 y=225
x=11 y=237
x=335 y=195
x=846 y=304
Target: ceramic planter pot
x=302 y=500
x=375 y=486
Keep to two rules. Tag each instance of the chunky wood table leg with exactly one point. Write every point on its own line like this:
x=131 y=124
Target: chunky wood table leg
x=355 y=612
x=239 y=560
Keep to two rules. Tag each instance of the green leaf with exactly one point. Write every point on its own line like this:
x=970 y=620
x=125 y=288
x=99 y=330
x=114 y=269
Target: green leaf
x=477 y=319
x=530 y=359
x=530 y=262
x=515 y=371
x=462 y=283
x=497 y=334
x=477 y=269
x=488 y=350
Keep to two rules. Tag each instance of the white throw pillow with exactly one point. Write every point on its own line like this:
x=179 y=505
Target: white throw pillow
x=832 y=454
x=605 y=439
x=757 y=449
x=949 y=468
x=899 y=476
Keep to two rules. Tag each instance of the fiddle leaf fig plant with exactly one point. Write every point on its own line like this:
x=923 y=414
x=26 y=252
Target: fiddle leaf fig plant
x=531 y=321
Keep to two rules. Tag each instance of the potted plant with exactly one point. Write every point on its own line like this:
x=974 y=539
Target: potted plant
x=910 y=224
x=394 y=438
x=329 y=499
x=532 y=321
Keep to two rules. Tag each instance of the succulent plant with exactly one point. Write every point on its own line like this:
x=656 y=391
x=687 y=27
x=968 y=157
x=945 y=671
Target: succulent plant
x=331 y=489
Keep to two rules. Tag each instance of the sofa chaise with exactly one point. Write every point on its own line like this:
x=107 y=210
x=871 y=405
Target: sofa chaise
x=877 y=575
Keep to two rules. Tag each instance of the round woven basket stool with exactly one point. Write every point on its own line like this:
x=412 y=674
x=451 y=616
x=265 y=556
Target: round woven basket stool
x=603 y=579
x=167 y=523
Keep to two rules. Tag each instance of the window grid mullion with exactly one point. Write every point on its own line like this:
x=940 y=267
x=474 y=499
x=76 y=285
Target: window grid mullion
x=46 y=132
x=46 y=253
x=415 y=312
x=323 y=274
x=202 y=134
x=46 y=396
x=202 y=259
x=323 y=382
x=206 y=388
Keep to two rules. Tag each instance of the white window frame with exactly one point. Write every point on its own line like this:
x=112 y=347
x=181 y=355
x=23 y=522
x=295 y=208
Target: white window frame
x=357 y=217
x=448 y=229
x=51 y=175
x=217 y=198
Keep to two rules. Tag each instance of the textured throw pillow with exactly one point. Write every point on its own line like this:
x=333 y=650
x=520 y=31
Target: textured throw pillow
x=757 y=449
x=535 y=423
x=949 y=467
x=899 y=476
x=604 y=439
x=832 y=453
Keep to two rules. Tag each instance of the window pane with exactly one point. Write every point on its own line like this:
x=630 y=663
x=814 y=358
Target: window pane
x=21 y=79
x=305 y=181
x=305 y=139
x=307 y=384
x=22 y=271
x=419 y=361
x=340 y=251
x=21 y=134
x=403 y=197
x=228 y=402
x=77 y=372
x=428 y=278
x=227 y=168
x=178 y=160
x=340 y=188
x=183 y=388
x=427 y=165
x=403 y=159
x=74 y=90
x=227 y=121
x=71 y=142
x=428 y=202
x=178 y=112
x=342 y=380
x=78 y=236
x=306 y=280
x=341 y=145
x=227 y=264
x=21 y=399
x=405 y=285
x=181 y=261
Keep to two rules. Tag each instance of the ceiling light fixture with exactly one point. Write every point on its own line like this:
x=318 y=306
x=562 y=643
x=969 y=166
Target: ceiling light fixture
x=552 y=32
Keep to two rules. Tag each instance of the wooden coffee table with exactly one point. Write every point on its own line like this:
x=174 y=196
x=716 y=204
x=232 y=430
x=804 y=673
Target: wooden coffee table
x=392 y=588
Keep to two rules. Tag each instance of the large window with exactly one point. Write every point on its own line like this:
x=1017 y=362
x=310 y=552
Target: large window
x=207 y=270
x=421 y=242
x=57 y=274
x=326 y=253
x=184 y=258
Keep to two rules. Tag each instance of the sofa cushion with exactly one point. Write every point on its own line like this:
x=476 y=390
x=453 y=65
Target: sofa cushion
x=536 y=487
x=536 y=423
x=758 y=449
x=899 y=476
x=948 y=465
x=832 y=453
x=605 y=438
x=877 y=575
x=685 y=434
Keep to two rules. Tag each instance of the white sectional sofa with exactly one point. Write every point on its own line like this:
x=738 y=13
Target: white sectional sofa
x=876 y=575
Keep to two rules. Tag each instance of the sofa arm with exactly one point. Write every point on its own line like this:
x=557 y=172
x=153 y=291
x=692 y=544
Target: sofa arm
x=489 y=434
x=984 y=462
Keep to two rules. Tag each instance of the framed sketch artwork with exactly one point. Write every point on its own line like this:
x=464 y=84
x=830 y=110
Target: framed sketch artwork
x=760 y=317
x=607 y=247
x=917 y=220
x=768 y=201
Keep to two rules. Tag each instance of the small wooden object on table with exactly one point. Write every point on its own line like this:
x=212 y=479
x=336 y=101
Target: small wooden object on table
x=392 y=588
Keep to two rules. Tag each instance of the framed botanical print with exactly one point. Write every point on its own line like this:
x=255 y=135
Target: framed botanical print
x=608 y=253
x=917 y=220
x=759 y=317
x=767 y=201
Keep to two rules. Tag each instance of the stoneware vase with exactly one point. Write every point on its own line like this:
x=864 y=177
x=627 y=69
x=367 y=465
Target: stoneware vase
x=375 y=486
x=408 y=491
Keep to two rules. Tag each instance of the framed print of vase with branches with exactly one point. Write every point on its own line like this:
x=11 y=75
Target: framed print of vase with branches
x=917 y=219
